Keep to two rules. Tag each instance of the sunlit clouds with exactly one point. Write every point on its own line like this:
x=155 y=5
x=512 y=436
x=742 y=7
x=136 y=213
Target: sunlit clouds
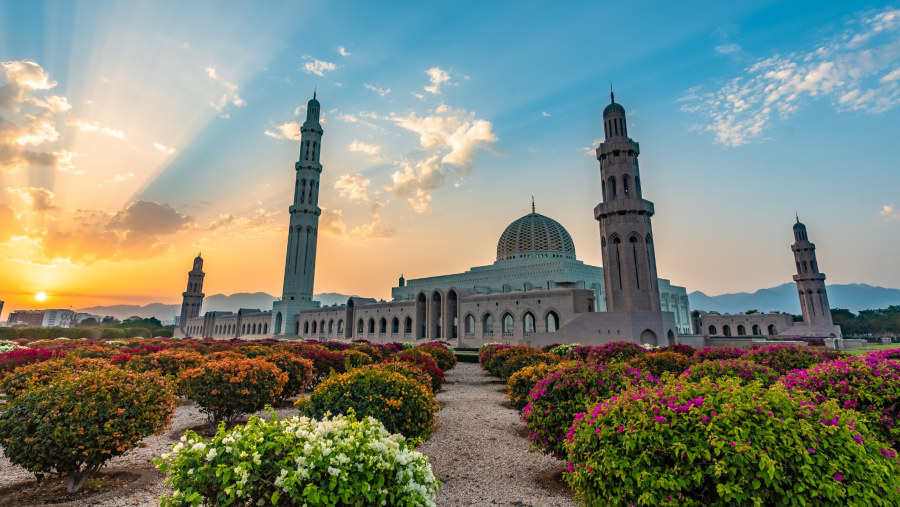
x=287 y=130
x=889 y=213
x=437 y=76
x=229 y=94
x=317 y=67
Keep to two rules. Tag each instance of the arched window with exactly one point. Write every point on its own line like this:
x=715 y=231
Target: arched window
x=487 y=324
x=371 y=326
x=798 y=267
x=772 y=330
x=382 y=326
x=508 y=323
x=314 y=327
x=712 y=330
x=612 y=187
x=637 y=276
x=813 y=266
x=341 y=326
x=726 y=330
x=470 y=324
x=395 y=325
x=616 y=241
x=528 y=322
x=306 y=327
x=804 y=267
x=552 y=321
x=756 y=330
x=407 y=325
x=625 y=181
x=243 y=329
x=742 y=330
x=359 y=327
x=322 y=326
x=315 y=145
x=306 y=154
x=330 y=326
x=603 y=189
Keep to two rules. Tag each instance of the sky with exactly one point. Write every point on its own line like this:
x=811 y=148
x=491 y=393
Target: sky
x=135 y=134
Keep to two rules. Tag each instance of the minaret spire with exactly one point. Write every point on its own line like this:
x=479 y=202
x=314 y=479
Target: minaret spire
x=532 y=203
x=612 y=96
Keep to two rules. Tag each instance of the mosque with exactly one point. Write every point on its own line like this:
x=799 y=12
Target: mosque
x=536 y=292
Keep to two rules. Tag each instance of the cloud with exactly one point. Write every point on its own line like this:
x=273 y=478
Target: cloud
x=355 y=188
x=229 y=94
x=317 y=67
x=343 y=51
x=368 y=149
x=9 y=223
x=149 y=217
x=331 y=222
x=260 y=221
x=889 y=213
x=728 y=49
x=376 y=229
x=118 y=178
x=40 y=199
x=418 y=96
x=378 y=90
x=28 y=117
x=287 y=130
x=437 y=77
x=855 y=71
x=545 y=114
x=96 y=127
x=163 y=148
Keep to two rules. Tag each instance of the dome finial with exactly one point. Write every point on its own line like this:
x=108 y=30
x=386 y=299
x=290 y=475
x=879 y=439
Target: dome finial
x=315 y=88
x=798 y=216
x=532 y=203
x=612 y=96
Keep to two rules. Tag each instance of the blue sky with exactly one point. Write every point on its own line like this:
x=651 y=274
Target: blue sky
x=174 y=131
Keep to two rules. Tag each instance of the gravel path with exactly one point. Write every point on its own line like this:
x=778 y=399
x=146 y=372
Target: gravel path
x=479 y=453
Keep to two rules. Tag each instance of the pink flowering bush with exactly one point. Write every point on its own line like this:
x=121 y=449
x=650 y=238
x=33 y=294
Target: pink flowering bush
x=710 y=353
x=744 y=370
x=870 y=385
x=685 y=350
x=784 y=358
x=486 y=352
x=717 y=442
x=607 y=353
x=20 y=357
x=566 y=391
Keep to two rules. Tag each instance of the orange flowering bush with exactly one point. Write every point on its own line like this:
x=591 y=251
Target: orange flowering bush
x=443 y=356
x=520 y=383
x=402 y=404
x=74 y=425
x=253 y=351
x=37 y=375
x=410 y=370
x=229 y=388
x=221 y=355
x=300 y=373
x=169 y=362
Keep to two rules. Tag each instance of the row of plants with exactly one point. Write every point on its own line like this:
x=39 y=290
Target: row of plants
x=380 y=393
x=769 y=425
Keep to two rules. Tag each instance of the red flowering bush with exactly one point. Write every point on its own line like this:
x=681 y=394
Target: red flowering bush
x=554 y=400
x=711 y=353
x=784 y=358
x=74 y=425
x=870 y=385
x=400 y=403
x=377 y=354
x=742 y=369
x=20 y=357
x=657 y=363
x=120 y=359
x=717 y=442
x=487 y=351
x=300 y=373
x=424 y=362
x=324 y=361
x=681 y=348
x=443 y=356
x=226 y=389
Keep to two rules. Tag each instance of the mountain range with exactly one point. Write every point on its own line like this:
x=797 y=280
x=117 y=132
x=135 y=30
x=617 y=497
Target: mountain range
x=783 y=298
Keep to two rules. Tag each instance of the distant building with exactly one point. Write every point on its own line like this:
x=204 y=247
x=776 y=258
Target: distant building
x=26 y=318
x=58 y=318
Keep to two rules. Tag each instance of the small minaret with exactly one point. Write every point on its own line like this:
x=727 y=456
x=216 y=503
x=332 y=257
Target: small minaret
x=402 y=281
x=193 y=295
x=629 y=260
x=810 y=282
x=300 y=259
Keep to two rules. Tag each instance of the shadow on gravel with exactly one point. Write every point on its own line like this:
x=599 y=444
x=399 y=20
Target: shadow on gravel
x=552 y=480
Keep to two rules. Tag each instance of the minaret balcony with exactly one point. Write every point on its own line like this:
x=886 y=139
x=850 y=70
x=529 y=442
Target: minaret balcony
x=621 y=144
x=809 y=277
x=617 y=206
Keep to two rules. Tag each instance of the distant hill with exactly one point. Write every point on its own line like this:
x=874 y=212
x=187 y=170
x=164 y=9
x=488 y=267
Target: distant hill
x=783 y=298
x=216 y=302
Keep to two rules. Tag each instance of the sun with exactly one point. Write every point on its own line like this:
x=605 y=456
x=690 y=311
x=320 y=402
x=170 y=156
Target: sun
x=40 y=296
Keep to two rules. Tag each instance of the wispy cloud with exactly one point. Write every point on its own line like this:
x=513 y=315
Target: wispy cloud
x=118 y=178
x=317 y=67
x=545 y=114
x=354 y=188
x=437 y=76
x=858 y=70
x=889 y=213
x=343 y=51
x=40 y=199
x=163 y=148
x=378 y=90
x=728 y=49
x=229 y=94
x=96 y=127
x=368 y=149
x=287 y=130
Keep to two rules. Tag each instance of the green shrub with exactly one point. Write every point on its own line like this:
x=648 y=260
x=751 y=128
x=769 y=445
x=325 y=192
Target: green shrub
x=338 y=461
x=300 y=373
x=76 y=424
x=744 y=370
x=226 y=389
x=444 y=357
x=522 y=382
x=717 y=442
x=402 y=404
x=407 y=369
x=355 y=359
x=254 y=350
x=784 y=358
x=566 y=391
x=515 y=361
x=657 y=363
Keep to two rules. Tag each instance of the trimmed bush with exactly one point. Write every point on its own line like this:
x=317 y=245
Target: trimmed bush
x=443 y=356
x=423 y=361
x=38 y=375
x=324 y=361
x=487 y=351
x=496 y=361
x=566 y=391
x=511 y=360
x=227 y=389
x=354 y=359
x=621 y=352
x=657 y=363
x=713 y=353
x=784 y=358
x=680 y=348
x=337 y=461
x=73 y=426
x=300 y=373
x=744 y=370
x=717 y=442
x=523 y=381
x=20 y=357
x=410 y=370
x=869 y=385
x=254 y=351
x=562 y=350
x=402 y=404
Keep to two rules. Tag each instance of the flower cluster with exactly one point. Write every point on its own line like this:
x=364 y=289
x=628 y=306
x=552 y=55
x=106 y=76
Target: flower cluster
x=743 y=369
x=716 y=353
x=299 y=461
x=784 y=358
x=657 y=363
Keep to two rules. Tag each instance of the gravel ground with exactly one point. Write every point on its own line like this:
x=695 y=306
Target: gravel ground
x=478 y=452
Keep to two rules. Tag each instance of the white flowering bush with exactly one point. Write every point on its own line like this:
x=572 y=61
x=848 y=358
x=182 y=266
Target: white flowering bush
x=298 y=461
x=650 y=348
x=8 y=346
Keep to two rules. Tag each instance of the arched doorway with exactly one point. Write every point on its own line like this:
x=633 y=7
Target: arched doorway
x=278 y=323
x=453 y=313
x=552 y=321
x=434 y=316
x=421 y=303
x=648 y=336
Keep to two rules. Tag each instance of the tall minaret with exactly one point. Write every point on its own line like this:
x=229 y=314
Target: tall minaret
x=629 y=262
x=300 y=260
x=193 y=295
x=810 y=282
